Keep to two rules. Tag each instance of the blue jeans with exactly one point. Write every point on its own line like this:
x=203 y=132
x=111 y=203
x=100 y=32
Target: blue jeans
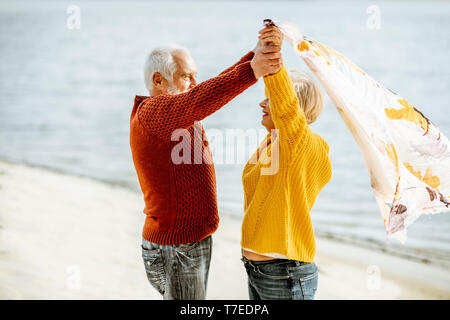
x=281 y=279
x=178 y=272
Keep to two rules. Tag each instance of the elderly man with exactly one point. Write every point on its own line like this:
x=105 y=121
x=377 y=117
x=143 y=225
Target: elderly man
x=180 y=198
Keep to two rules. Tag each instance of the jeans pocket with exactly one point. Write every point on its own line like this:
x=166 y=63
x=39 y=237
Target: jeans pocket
x=193 y=256
x=309 y=285
x=305 y=280
x=186 y=247
x=154 y=268
x=273 y=271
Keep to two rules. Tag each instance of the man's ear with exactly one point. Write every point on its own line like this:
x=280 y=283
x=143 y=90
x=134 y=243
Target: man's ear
x=158 y=80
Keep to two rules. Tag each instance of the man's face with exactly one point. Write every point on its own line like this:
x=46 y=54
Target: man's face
x=184 y=76
x=266 y=117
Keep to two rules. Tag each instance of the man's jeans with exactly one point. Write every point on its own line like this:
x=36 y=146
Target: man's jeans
x=178 y=272
x=281 y=279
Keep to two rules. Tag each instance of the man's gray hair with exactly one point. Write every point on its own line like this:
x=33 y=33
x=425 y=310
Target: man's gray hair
x=161 y=60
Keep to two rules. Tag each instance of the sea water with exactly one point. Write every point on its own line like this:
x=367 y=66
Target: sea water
x=66 y=90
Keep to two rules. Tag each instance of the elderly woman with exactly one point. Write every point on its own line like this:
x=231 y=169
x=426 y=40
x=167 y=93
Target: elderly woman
x=278 y=245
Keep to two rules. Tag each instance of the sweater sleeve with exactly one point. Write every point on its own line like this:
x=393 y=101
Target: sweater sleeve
x=248 y=57
x=163 y=114
x=285 y=110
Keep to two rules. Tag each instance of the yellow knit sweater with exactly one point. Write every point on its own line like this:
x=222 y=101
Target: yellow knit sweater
x=282 y=182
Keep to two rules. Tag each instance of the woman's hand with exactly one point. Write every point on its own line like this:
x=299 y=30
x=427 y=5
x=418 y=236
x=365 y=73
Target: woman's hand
x=269 y=36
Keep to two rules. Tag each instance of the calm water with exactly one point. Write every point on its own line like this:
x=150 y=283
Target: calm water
x=66 y=95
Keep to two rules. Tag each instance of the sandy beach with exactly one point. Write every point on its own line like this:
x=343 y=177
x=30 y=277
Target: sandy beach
x=70 y=237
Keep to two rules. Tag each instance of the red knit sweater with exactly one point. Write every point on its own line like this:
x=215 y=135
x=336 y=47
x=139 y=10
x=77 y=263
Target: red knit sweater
x=180 y=199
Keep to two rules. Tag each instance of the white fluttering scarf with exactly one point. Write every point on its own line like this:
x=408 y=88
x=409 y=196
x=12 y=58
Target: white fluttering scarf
x=407 y=156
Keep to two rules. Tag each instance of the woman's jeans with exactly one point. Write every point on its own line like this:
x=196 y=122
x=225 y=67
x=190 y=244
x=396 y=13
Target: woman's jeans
x=281 y=279
x=178 y=272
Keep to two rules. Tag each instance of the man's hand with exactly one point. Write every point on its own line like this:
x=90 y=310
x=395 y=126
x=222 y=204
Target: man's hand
x=267 y=60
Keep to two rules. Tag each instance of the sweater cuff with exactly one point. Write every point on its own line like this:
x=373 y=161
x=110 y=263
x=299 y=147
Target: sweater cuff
x=249 y=56
x=245 y=73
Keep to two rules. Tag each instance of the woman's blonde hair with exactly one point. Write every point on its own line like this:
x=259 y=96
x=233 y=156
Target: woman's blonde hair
x=308 y=94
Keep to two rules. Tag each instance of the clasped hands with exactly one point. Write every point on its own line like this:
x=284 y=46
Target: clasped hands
x=267 y=59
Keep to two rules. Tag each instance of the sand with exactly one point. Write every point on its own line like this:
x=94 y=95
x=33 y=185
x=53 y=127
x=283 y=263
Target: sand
x=70 y=237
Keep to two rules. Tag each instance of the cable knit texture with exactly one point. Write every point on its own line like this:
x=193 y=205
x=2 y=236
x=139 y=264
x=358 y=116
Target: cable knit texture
x=180 y=199
x=277 y=206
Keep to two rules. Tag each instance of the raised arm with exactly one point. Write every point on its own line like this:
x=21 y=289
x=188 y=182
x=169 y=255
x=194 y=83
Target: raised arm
x=286 y=113
x=248 y=57
x=162 y=114
x=285 y=110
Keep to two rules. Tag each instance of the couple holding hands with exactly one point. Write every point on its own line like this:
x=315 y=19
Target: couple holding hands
x=278 y=244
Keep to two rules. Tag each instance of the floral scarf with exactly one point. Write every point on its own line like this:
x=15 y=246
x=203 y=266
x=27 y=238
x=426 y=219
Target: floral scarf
x=407 y=156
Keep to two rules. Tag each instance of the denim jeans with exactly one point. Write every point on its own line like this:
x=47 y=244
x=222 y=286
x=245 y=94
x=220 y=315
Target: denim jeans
x=178 y=272
x=281 y=279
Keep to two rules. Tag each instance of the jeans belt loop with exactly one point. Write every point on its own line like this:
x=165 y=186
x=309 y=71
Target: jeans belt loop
x=249 y=263
x=254 y=267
